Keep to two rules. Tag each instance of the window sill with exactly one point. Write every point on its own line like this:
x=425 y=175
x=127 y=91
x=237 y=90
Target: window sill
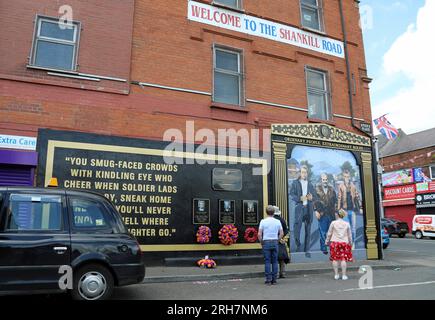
x=74 y=72
x=230 y=107
x=319 y=32
x=317 y=120
x=65 y=84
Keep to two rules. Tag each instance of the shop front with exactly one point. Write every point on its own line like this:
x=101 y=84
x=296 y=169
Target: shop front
x=18 y=160
x=425 y=203
x=399 y=203
x=337 y=170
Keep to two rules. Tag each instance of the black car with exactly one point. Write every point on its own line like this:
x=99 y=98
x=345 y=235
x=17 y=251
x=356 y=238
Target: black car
x=54 y=240
x=396 y=227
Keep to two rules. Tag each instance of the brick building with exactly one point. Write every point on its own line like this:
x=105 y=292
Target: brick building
x=134 y=69
x=409 y=170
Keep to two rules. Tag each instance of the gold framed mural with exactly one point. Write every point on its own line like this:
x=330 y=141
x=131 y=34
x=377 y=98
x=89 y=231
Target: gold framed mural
x=335 y=167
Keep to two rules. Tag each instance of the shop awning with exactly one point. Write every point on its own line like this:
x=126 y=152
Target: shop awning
x=398 y=202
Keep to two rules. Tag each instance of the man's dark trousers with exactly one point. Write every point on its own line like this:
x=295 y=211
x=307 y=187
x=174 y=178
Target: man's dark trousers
x=303 y=216
x=270 y=252
x=324 y=223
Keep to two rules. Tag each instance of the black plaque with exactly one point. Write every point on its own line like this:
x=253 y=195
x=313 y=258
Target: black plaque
x=227 y=211
x=227 y=179
x=201 y=211
x=250 y=212
x=366 y=127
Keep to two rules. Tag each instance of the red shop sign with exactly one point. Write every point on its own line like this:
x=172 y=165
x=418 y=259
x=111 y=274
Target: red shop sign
x=401 y=192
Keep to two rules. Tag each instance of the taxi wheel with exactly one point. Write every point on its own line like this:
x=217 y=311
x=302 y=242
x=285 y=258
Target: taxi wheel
x=92 y=282
x=418 y=235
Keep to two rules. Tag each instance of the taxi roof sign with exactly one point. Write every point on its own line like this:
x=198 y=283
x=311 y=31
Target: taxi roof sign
x=53 y=183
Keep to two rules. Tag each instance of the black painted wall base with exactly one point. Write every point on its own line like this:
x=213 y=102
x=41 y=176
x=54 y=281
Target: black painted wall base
x=189 y=259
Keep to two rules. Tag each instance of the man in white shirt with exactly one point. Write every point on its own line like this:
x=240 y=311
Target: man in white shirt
x=269 y=234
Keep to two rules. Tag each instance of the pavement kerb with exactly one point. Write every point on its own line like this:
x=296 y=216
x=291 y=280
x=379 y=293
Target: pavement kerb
x=247 y=275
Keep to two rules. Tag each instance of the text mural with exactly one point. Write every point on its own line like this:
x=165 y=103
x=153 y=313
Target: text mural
x=161 y=204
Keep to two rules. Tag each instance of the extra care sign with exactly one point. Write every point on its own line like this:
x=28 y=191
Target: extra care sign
x=227 y=19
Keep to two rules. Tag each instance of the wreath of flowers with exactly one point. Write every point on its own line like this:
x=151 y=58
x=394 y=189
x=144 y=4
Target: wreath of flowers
x=251 y=235
x=206 y=263
x=228 y=234
x=203 y=235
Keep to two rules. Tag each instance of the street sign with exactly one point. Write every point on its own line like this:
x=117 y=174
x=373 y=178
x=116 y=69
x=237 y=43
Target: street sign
x=366 y=127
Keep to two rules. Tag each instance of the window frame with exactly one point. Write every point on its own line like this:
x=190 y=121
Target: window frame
x=319 y=9
x=7 y=203
x=432 y=172
x=108 y=228
x=326 y=93
x=37 y=37
x=240 y=74
x=239 y=5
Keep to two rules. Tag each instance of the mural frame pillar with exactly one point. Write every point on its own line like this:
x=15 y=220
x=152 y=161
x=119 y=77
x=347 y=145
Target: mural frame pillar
x=369 y=204
x=280 y=178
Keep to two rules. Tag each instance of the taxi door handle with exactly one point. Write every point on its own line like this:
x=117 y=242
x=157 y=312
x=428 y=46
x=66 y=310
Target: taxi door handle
x=60 y=250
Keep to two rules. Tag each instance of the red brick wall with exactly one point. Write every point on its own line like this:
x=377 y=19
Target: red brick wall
x=105 y=40
x=415 y=159
x=168 y=49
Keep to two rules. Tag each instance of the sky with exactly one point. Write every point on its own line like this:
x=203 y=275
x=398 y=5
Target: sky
x=399 y=47
x=323 y=160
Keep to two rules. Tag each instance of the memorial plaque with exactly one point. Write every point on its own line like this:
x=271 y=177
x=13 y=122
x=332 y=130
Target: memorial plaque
x=250 y=213
x=201 y=211
x=227 y=212
x=161 y=203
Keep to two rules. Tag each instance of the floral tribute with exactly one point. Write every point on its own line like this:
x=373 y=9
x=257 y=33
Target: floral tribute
x=251 y=235
x=206 y=263
x=203 y=235
x=228 y=234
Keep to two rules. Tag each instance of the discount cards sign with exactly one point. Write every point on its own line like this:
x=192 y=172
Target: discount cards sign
x=239 y=22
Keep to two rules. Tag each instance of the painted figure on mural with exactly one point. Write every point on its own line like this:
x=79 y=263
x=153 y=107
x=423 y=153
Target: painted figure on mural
x=349 y=200
x=325 y=208
x=302 y=193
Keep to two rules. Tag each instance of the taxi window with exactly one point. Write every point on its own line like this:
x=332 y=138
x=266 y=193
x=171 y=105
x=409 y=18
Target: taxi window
x=34 y=212
x=88 y=214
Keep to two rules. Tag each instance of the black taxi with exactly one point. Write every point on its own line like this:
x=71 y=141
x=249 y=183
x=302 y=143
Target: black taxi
x=58 y=240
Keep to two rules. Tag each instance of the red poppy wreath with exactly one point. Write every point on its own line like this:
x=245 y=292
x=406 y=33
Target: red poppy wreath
x=251 y=235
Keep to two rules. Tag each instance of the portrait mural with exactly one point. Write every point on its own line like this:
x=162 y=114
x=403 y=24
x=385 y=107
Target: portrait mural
x=320 y=183
x=318 y=171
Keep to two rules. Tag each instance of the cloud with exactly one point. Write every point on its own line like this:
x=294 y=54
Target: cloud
x=411 y=56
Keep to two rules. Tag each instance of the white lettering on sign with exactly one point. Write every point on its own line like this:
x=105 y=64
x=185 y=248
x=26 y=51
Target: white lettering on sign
x=399 y=192
x=17 y=142
x=239 y=22
x=429 y=196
